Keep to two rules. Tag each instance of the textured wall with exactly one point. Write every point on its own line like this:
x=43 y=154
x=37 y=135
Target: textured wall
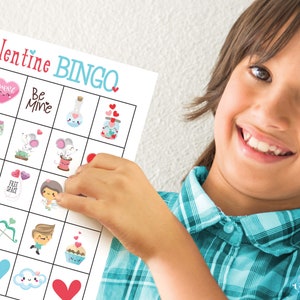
x=179 y=39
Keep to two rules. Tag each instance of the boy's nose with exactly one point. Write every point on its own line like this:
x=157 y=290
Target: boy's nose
x=274 y=111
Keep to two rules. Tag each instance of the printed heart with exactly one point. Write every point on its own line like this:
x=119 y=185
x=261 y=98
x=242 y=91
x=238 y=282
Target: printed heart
x=89 y=158
x=108 y=113
x=8 y=90
x=32 y=52
x=12 y=221
x=15 y=173
x=39 y=132
x=112 y=106
x=75 y=116
x=76 y=237
x=78 y=244
x=65 y=293
x=34 y=143
x=25 y=175
x=116 y=114
x=4 y=267
x=60 y=144
x=115 y=89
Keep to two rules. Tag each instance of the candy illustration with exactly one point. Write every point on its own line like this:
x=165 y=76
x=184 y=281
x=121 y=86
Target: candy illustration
x=111 y=125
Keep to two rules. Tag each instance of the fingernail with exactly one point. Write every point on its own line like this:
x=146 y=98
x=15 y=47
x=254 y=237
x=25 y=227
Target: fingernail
x=58 y=197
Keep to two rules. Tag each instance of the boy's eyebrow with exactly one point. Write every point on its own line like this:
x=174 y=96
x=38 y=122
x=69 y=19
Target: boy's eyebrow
x=259 y=57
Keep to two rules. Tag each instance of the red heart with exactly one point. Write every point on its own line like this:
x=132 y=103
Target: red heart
x=115 y=89
x=39 y=132
x=76 y=237
x=89 y=158
x=77 y=244
x=112 y=106
x=65 y=293
x=116 y=114
x=16 y=173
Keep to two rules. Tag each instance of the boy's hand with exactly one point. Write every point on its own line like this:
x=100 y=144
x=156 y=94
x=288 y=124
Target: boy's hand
x=120 y=197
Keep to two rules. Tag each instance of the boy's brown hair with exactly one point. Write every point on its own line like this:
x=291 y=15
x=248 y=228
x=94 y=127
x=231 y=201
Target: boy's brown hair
x=258 y=31
x=43 y=229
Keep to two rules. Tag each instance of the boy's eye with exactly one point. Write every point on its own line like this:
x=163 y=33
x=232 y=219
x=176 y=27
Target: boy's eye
x=261 y=73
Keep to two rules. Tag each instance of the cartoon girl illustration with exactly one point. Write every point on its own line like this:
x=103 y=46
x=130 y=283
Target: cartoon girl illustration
x=49 y=189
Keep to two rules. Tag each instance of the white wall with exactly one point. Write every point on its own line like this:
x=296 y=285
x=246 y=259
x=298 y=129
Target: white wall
x=179 y=39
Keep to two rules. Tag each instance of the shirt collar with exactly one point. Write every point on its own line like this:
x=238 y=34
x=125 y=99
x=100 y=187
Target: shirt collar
x=272 y=232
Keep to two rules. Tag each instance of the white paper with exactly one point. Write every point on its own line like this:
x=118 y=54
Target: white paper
x=58 y=107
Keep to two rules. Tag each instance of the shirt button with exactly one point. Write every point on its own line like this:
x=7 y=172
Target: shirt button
x=228 y=227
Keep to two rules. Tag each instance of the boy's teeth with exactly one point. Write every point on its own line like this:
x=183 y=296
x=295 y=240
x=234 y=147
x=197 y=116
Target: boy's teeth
x=261 y=146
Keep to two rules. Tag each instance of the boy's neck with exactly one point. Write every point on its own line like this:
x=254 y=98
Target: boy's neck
x=233 y=202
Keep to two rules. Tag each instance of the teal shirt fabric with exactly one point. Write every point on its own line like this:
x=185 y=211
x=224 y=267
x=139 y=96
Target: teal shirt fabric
x=251 y=257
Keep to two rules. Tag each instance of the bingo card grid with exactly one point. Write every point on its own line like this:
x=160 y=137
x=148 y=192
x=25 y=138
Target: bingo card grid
x=46 y=131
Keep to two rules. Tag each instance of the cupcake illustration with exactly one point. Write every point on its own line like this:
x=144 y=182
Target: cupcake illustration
x=75 y=253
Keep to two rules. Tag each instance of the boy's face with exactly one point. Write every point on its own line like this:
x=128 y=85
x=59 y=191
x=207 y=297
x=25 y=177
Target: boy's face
x=257 y=131
x=41 y=238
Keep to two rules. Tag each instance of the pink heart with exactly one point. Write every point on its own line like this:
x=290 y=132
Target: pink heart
x=65 y=293
x=8 y=90
x=16 y=173
x=60 y=144
x=75 y=116
x=77 y=244
x=25 y=175
x=34 y=143
x=75 y=237
x=108 y=113
x=39 y=132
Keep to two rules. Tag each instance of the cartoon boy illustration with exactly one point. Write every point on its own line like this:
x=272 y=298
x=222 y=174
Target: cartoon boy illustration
x=42 y=234
x=49 y=189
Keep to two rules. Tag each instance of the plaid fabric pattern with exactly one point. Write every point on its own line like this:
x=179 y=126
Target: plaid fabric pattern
x=251 y=257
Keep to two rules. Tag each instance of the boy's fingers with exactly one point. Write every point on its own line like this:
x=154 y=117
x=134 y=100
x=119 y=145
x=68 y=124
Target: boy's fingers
x=107 y=161
x=84 y=205
x=89 y=182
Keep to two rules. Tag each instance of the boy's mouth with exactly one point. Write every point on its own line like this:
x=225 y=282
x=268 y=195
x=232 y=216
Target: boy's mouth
x=263 y=146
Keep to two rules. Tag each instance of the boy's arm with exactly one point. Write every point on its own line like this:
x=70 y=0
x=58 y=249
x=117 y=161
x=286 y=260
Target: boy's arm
x=120 y=197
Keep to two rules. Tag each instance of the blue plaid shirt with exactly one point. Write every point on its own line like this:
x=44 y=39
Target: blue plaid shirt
x=251 y=257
